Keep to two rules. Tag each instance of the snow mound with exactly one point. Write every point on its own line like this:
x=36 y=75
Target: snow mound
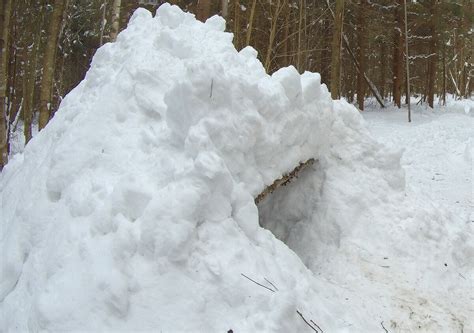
x=134 y=208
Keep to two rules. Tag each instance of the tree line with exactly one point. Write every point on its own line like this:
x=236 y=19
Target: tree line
x=358 y=47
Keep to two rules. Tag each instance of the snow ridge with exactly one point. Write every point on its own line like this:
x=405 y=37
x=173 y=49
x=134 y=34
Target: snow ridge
x=134 y=208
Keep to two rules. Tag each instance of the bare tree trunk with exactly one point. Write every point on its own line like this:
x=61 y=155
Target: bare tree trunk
x=361 y=37
x=336 y=50
x=225 y=8
x=286 y=50
x=432 y=62
x=398 y=55
x=444 y=73
x=203 y=10
x=305 y=53
x=465 y=27
x=300 y=32
x=116 y=7
x=102 y=23
x=324 y=63
x=29 y=89
x=250 y=25
x=49 y=62
x=383 y=67
x=237 y=24
x=5 y=15
x=273 y=30
x=407 y=58
x=15 y=59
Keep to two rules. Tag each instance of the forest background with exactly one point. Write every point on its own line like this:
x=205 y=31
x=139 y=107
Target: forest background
x=358 y=47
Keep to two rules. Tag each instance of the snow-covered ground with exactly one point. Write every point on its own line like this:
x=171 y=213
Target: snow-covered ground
x=399 y=256
x=438 y=162
x=134 y=208
x=438 y=149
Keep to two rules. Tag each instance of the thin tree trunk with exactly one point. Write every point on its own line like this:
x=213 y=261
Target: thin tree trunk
x=466 y=26
x=116 y=7
x=250 y=26
x=286 y=50
x=370 y=84
x=300 y=32
x=102 y=23
x=203 y=10
x=383 y=67
x=5 y=15
x=49 y=61
x=306 y=39
x=336 y=50
x=361 y=37
x=324 y=63
x=433 y=55
x=13 y=64
x=225 y=8
x=444 y=73
x=453 y=80
x=237 y=24
x=398 y=55
x=271 y=39
x=29 y=89
x=407 y=57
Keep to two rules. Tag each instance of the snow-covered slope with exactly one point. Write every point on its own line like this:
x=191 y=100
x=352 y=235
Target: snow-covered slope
x=134 y=208
x=401 y=255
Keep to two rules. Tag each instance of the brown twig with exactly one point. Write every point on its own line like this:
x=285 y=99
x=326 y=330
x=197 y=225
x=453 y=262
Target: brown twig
x=311 y=320
x=261 y=285
x=307 y=323
x=271 y=283
x=284 y=180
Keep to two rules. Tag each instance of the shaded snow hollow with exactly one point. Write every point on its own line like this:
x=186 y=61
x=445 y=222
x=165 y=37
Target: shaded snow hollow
x=134 y=208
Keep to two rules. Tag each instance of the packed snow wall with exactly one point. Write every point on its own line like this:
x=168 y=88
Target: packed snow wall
x=134 y=208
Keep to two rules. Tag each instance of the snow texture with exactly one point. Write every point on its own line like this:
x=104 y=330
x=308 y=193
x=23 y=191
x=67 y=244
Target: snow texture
x=134 y=208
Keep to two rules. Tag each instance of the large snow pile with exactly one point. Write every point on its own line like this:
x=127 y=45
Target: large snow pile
x=134 y=209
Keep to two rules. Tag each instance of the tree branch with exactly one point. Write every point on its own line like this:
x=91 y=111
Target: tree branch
x=287 y=178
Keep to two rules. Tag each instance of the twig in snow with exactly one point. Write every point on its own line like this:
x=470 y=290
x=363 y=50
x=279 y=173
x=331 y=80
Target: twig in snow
x=307 y=323
x=284 y=180
x=311 y=320
x=212 y=85
x=261 y=285
x=271 y=283
x=381 y=323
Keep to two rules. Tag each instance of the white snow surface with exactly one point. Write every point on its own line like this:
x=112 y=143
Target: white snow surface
x=401 y=255
x=134 y=208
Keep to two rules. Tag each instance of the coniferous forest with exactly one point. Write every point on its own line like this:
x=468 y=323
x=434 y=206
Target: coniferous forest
x=358 y=47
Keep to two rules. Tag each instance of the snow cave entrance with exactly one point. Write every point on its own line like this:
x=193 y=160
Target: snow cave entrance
x=287 y=205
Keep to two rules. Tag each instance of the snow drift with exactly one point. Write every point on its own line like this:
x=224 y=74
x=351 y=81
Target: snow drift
x=134 y=209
